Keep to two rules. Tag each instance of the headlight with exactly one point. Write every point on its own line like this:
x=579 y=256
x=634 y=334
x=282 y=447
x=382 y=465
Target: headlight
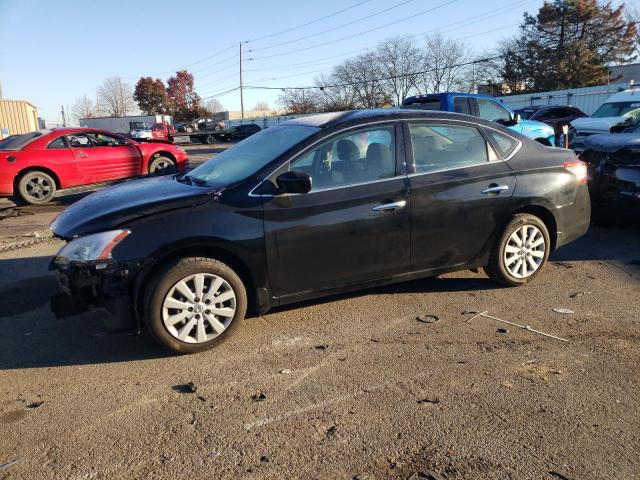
x=92 y=247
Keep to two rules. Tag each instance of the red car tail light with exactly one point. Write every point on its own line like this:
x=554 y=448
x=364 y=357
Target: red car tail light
x=579 y=169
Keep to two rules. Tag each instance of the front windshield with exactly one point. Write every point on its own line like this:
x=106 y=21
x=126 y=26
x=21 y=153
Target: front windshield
x=250 y=155
x=617 y=109
x=18 y=142
x=525 y=114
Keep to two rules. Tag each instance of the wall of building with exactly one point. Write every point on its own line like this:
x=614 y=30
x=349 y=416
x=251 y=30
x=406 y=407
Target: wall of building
x=17 y=116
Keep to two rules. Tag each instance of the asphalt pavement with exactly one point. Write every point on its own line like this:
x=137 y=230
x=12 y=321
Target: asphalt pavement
x=393 y=382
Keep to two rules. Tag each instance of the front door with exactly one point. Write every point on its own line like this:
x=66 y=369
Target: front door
x=353 y=226
x=460 y=193
x=103 y=157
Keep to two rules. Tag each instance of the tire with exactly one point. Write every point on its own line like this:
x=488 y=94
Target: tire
x=36 y=187
x=165 y=289
x=506 y=255
x=162 y=165
x=210 y=139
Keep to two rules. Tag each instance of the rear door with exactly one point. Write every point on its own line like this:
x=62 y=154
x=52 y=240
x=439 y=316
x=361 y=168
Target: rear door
x=353 y=226
x=101 y=157
x=460 y=193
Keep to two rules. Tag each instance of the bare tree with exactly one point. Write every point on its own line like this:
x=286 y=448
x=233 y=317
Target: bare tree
x=84 y=107
x=362 y=75
x=214 y=106
x=262 y=107
x=445 y=65
x=115 y=97
x=398 y=59
x=333 y=98
x=298 y=101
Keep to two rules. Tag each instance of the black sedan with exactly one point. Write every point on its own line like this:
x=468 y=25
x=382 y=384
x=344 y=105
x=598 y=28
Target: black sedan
x=613 y=161
x=316 y=206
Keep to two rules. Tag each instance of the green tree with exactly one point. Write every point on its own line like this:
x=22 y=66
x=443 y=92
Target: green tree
x=568 y=44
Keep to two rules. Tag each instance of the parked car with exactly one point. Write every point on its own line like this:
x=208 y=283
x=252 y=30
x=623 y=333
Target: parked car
x=316 y=206
x=34 y=165
x=203 y=123
x=620 y=112
x=243 y=131
x=556 y=116
x=485 y=107
x=614 y=175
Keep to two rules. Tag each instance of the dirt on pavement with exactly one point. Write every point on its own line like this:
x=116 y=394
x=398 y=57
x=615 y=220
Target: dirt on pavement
x=353 y=386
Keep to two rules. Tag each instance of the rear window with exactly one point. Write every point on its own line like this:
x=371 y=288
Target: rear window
x=426 y=103
x=504 y=143
x=18 y=142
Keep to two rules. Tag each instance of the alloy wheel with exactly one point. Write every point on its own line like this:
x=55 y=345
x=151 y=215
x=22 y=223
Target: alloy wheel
x=38 y=187
x=524 y=252
x=199 y=308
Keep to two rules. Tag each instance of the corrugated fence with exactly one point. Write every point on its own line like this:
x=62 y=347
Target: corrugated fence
x=587 y=99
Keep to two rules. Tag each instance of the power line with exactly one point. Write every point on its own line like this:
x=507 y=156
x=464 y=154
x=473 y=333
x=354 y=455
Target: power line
x=404 y=2
x=221 y=93
x=308 y=23
x=360 y=33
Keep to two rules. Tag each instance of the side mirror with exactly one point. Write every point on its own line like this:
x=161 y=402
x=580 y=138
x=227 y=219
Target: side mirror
x=516 y=118
x=294 y=181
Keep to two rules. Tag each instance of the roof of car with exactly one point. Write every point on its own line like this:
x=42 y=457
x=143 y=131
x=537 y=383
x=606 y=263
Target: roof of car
x=326 y=120
x=534 y=108
x=625 y=96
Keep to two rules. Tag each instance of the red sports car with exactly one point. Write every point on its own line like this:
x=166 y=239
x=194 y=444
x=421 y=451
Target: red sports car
x=36 y=164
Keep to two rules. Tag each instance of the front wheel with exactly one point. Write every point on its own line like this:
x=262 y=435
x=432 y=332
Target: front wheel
x=162 y=166
x=194 y=304
x=520 y=252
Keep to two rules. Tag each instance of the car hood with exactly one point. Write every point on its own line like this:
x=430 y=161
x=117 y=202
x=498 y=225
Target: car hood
x=535 y=126
x=114 y=206
x=612 y=142
x=596 y=125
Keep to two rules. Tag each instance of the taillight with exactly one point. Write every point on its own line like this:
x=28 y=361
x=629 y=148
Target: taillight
x=579 y=169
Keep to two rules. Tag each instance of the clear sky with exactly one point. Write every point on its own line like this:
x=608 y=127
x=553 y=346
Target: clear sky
x=52 y=52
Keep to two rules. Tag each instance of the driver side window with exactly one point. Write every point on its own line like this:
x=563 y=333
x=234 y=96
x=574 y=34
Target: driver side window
x=352 y=158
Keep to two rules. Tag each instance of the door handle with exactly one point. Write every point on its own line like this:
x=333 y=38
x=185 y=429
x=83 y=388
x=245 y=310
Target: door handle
x=493 y=188
x=82 y=155
x=390 y=206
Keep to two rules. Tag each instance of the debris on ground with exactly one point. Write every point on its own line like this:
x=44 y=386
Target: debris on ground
x=331 y=430
x=563 y=264
x=258 y=397
x=6 y=465
x=563 y=311
x=285 y=371
x=507 y=384
x=34 y=404
x=429 y=400
x=214 y=455
x=579 y=294
x=426 y=476
x=185 y=388
x=321 y=347
x=469 y=312
x=202 y=399
x=502 y=330
x=558 y=475
x=524 y=327
x=428 y=318
x=265 y=458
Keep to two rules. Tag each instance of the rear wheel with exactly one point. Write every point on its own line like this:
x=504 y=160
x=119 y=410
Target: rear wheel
x=161 y=165
x=210 y=139
x=194 y=304
x=36 y=187
x=520 y=252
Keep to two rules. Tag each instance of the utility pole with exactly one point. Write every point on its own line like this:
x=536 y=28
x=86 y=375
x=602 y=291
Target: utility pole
x=64 y=120
x=241 y=95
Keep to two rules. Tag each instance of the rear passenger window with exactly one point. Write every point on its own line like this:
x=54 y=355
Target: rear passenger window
x=504 y=143
x=358 y=157
x=58 y=143
x=441 y=146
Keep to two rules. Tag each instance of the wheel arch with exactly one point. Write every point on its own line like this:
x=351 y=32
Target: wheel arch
x=34 y=168
x=547 y=217
x=208 y=250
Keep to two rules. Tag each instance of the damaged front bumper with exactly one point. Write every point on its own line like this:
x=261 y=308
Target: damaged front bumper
x=98 y=285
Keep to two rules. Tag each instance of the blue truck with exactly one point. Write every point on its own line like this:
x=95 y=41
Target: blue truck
x=485 y=107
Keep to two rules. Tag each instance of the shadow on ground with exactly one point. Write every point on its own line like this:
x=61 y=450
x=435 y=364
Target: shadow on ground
x=33 y=338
